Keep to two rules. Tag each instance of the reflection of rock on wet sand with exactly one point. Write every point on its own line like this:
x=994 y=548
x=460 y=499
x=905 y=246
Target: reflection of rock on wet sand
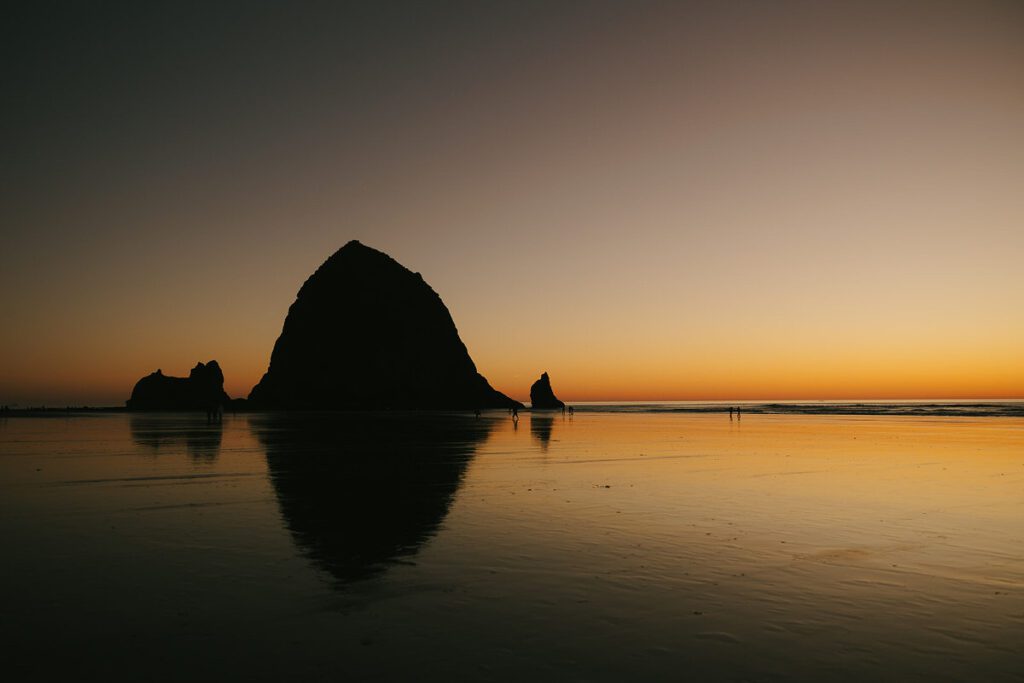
x=200 y=438
x=541 y=427
x=359 y=491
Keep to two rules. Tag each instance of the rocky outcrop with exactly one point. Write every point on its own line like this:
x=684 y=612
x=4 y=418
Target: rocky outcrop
x=542 y=397
x=203 y=389
x=366 y=333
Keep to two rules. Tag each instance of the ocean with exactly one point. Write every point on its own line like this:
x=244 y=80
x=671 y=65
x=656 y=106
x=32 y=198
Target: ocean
x=948 y=408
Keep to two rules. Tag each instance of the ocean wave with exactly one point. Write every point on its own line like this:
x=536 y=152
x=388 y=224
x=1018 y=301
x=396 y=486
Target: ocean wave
x=923 y=409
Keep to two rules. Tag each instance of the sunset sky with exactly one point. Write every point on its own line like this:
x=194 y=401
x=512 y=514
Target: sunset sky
x=721 y=200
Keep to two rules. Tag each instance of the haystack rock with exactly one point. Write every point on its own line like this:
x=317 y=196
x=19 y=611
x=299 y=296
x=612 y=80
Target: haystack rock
x=203 y=389
x=367 y=333
x=541 y=395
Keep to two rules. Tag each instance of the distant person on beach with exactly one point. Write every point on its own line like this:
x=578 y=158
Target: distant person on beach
x=730 y=412
x=571 y=411
x=515 y=414
x=737 y=412
x=477 y=412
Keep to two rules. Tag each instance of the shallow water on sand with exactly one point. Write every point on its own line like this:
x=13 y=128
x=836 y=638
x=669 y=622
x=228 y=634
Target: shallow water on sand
x=606 y=546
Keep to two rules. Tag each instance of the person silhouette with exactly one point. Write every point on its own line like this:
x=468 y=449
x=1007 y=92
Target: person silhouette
x=730 y=412
x=515 y=414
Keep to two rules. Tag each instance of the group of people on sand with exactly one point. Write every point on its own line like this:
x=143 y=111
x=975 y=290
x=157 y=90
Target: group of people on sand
x=737 y=409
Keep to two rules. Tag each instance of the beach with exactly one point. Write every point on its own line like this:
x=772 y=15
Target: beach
x=617 y=543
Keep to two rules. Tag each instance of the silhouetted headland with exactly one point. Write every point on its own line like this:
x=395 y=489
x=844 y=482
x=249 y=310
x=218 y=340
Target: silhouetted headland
x=366 y=333
x=203 y=389
x=542 y=396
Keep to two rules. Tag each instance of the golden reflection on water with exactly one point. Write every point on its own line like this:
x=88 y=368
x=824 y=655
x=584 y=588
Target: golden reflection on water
x=603 y=546
x=857 y=490
x=812 y=544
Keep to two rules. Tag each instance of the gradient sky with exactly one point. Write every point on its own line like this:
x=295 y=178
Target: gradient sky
x=722 y=200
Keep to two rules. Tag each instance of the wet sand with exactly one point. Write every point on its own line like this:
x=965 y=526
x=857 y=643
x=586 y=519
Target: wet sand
x=599 y=547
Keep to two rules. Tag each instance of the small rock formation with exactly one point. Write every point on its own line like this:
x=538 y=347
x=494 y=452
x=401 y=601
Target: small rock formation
x=366 y=333
x=203 y=389
x=542 y=397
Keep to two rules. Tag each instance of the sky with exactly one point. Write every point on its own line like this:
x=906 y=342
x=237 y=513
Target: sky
x=648 y=200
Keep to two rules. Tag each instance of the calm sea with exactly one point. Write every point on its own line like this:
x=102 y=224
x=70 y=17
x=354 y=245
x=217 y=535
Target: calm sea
x=796 y=541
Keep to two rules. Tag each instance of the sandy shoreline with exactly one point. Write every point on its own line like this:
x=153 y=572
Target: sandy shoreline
x=602 y=546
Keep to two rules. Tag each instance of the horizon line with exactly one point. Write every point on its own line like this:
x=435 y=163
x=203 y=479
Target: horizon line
x=58 y=406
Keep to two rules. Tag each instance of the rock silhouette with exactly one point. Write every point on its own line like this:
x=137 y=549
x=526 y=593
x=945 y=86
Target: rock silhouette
x=203 y=389
x=366 y=333
x=542 y=397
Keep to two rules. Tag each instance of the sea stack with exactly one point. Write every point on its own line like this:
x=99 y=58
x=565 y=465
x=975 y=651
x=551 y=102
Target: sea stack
x=366 y=333
x=203 y=389
x=542 y=397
